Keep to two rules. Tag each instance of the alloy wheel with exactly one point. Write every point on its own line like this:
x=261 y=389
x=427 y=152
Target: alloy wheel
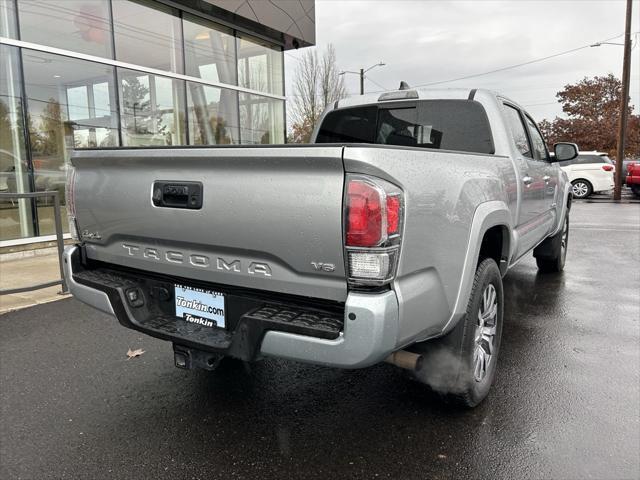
x=580 y=189
x=485 y=333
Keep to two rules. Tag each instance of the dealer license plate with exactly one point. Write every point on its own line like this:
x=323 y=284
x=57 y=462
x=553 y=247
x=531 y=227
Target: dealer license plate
x=200 y=306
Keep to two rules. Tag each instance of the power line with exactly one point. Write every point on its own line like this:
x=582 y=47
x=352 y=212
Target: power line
x=517 y=65
x=383 y=89
x=376 y=83
x=540 y=104
x=292 y=56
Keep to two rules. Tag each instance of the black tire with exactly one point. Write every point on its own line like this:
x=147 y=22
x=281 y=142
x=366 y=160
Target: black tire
x=636 y=190
x=552 y=253
x=581 y=188
x=448 y=362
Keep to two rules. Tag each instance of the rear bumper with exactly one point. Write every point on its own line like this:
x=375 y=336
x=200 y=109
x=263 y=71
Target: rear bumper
x=602 y=183
x=633 y=180
x=368 y=336
x=91 y=296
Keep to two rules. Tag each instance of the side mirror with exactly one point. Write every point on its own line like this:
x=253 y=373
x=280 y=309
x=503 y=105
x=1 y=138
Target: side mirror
x=564 y=151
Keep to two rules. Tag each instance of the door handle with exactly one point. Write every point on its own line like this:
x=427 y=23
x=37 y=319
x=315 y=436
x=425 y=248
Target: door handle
x=177 y=194
x=527 y=180
x=546 y=178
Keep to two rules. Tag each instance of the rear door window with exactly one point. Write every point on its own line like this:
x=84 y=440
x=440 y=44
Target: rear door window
x=436 y=124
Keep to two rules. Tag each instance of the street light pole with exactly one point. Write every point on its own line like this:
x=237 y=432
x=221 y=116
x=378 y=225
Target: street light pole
x=361 y=74
x=624 y=104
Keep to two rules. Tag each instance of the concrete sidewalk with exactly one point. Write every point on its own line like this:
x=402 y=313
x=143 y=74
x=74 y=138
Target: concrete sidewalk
x=39 y=267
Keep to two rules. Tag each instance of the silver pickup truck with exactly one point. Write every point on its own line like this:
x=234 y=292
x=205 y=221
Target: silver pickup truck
x=384 y=240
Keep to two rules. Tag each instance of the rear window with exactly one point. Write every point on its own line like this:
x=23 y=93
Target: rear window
x=436 y=124
x=584 y=159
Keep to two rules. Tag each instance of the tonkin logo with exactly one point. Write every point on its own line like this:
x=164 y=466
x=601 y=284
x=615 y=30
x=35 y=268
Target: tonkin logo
x=205 y=322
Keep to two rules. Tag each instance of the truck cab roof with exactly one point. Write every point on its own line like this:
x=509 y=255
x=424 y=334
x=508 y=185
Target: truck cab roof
x=412 y=94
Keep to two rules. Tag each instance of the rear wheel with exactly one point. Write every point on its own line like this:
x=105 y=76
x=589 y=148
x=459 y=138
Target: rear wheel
x=636 y=190
x=552 y=253
x=581 y=188
x=461 y=365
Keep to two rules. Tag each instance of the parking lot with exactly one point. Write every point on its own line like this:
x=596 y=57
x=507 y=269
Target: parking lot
x=566 y=403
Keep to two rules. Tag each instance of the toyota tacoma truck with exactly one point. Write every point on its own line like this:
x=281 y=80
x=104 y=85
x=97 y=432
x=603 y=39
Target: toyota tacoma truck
x=386 y=239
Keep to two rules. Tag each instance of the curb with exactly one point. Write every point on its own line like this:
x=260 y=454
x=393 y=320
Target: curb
x=61 y=296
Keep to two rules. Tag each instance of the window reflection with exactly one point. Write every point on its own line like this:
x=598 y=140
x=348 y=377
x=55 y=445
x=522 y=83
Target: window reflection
x=15 y=215
x=259 y=66
x=517 y=130
x=210 y=51
x=261 y=119
x=152 y=109
x=61 y=96
x=539 y=147
x=147 y=34
x=8 y=26
x=213 y=115
x=78 y=25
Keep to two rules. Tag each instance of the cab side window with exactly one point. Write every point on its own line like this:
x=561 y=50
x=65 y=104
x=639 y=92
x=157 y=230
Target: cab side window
x=518 y=131
x=539 y=147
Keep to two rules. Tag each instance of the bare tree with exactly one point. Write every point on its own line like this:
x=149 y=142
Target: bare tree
x=317 y=83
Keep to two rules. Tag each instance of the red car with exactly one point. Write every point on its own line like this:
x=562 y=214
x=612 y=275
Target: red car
x=633 y=178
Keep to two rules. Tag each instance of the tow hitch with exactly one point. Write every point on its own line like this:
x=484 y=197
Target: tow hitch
x=189 y=358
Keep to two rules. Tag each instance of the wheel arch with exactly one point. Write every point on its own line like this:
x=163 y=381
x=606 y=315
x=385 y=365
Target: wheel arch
x=495 y=244
x=491 y=221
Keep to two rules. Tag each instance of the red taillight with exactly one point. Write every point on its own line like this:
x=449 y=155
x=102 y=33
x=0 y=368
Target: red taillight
x=374 y=212
x=373 y=224
x=364 y=214
x=607 y=168
x=393 y=215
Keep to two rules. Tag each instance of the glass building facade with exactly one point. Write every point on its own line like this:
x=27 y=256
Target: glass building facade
x=121 y=73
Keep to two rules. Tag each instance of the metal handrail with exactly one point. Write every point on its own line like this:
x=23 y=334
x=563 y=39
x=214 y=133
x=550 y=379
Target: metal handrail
x=59 y=240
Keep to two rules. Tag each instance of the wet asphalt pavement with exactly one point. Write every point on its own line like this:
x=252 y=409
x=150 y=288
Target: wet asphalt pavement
x=565 y=404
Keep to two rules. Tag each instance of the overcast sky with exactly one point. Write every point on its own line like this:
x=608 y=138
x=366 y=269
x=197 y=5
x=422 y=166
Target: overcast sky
x=424 y=41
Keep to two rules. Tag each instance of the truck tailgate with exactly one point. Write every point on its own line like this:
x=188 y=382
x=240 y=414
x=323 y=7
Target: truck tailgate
x=268 y=215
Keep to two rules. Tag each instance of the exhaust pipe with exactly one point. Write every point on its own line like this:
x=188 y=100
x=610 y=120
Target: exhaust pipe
x=404 y=359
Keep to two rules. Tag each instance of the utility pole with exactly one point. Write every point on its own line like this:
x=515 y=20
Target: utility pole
x=361 y=74
x=624 y=104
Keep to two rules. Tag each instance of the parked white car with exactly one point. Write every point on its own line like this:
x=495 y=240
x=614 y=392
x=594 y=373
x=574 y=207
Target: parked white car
x=589 y=172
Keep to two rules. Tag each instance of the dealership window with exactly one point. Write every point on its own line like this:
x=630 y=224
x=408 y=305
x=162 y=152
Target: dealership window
x=213 y=115
x=261 y=119
x=71 y=104
x=78 y=25
x=260 y=66
x=147 y=34
x=210 y=51
x=8 y=27
x=63 y=102
x=152 y=109
x=15 y=215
